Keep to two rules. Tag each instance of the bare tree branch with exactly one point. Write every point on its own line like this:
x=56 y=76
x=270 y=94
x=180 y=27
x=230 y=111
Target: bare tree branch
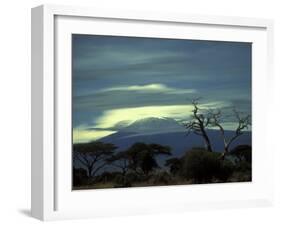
x=199 y=124
x=242 y=124
x=202 y=120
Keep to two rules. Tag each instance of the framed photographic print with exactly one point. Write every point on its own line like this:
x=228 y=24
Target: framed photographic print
x=137 y=112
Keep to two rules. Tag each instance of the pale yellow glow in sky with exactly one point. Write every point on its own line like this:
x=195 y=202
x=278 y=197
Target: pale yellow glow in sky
x=110 y=118
x=81 y=135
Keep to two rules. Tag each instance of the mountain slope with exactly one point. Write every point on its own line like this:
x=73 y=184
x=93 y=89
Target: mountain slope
x=167 y=131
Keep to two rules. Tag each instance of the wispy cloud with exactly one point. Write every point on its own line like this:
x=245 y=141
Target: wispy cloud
x=150 y=88
x=112 y=120
x=180 y=112
x=130 y=96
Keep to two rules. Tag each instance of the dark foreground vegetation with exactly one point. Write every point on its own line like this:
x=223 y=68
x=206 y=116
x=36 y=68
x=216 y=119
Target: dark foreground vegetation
x=138 y=167
x=99 y=165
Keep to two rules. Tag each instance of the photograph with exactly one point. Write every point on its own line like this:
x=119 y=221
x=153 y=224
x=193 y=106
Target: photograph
x=152 y=111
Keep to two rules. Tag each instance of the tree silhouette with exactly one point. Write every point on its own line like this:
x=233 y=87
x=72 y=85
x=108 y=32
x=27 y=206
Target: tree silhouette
x=199 y=123
x=213 y=118
x=243 y=122
x=174 y=164
x=120 y=160
x=142 y=156
x=93 y=156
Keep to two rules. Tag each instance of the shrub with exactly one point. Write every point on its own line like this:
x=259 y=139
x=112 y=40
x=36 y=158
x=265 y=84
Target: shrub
x=127 y=180
x=239 y=176
x=175 y=165
x=119 y=180
x=133 y=177
x=226 y=170
x=242 y=153
x=79 y=177
x=105 y=177
x=161 y=178
x=202 y=166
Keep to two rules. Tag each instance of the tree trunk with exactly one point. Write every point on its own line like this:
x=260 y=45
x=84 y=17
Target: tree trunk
x=209 y=147
x=90 y=169
x=225 y=152
x=207 y=141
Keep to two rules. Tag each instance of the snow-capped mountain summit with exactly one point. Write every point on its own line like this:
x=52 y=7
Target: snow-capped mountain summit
x=153 y=125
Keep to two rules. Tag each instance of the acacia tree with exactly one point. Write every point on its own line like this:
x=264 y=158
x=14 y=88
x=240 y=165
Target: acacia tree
x=243 y=122
x=142 y=156
x=199 y=123
x=93 y=156
x=121 y=160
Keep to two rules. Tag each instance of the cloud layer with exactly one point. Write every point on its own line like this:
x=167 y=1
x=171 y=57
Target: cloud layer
x=123 y=78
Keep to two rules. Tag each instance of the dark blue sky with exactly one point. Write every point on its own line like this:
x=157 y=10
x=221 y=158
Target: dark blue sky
x=126 y=78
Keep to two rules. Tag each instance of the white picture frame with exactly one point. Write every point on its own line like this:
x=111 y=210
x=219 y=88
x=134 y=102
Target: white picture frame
x=52 y=197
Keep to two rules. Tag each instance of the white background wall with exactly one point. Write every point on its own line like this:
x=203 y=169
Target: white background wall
x=15 y=112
